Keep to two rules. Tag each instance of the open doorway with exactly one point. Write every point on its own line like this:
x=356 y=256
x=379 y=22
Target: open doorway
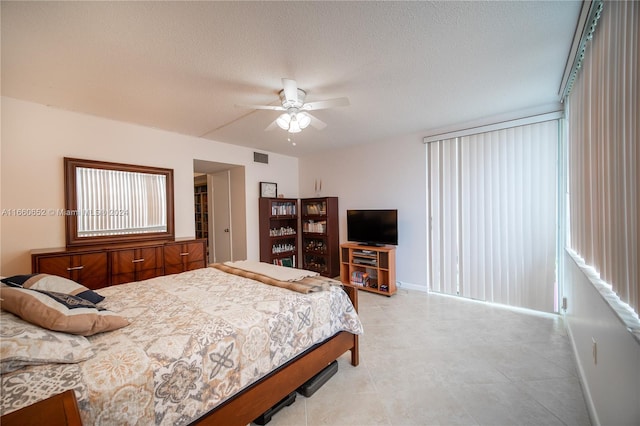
x=220 y=190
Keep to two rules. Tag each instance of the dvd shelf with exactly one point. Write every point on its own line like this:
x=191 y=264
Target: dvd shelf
x=319 y=227
x=278 y=221
x=369 y=268
x=320 y=234
x=284 y=208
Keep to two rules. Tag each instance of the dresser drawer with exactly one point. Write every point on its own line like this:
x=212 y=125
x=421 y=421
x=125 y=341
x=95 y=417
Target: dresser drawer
x=136 y=264
x=88 y=269
x=180 y=257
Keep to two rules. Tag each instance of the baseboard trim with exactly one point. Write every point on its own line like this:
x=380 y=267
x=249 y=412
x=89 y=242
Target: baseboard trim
x=408 y=286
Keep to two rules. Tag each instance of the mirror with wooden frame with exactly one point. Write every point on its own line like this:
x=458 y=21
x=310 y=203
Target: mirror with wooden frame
x=115 y=203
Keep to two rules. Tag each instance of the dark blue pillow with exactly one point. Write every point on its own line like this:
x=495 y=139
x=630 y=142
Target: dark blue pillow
x=53 y=283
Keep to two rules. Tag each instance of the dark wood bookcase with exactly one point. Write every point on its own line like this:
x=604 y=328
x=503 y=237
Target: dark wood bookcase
x=320 y=235
x=278 y=222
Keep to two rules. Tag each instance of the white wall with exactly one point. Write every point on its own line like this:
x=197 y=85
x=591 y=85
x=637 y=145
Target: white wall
x=35 y=138
x=612 y=385
x=379 y=176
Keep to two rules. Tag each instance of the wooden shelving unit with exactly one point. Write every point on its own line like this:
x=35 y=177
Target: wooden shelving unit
x=369 y=268
x=279 y=234
x=201 y=206
x=320 y=235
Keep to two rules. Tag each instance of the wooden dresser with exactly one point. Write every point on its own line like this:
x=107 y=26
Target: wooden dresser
x=102 y=266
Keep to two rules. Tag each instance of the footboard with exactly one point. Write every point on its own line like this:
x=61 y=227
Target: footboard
x=264 y=394
x=249 y=404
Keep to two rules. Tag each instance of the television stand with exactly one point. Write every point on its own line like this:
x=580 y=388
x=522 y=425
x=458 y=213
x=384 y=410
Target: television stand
x=369 y=268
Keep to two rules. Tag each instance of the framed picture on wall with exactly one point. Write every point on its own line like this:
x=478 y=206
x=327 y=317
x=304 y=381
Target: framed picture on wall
x=268 y=189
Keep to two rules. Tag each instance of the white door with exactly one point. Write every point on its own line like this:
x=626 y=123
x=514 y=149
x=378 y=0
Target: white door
x=220 y=221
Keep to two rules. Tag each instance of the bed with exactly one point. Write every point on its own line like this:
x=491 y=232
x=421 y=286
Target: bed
x=202 y=347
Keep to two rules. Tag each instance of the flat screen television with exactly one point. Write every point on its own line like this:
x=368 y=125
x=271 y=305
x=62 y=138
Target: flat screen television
x=373 y=227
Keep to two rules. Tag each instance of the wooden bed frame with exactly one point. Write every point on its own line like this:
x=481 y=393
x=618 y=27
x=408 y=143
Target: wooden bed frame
x=252 y=402
x=256 y=399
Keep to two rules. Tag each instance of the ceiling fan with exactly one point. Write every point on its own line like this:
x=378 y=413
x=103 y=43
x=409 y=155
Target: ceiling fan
x=296 y=116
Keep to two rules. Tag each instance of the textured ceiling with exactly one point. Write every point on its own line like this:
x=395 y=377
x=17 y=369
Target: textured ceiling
x=407 y=67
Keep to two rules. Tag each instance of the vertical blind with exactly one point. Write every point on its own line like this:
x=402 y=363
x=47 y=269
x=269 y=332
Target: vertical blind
x=137 y=206
x=492 y=208
x=442 y=166
x=603 y=154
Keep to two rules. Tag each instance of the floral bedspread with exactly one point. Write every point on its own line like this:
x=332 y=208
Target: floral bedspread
x=195 y=339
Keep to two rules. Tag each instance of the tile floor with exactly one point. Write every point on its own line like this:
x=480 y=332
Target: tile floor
x=428 y=359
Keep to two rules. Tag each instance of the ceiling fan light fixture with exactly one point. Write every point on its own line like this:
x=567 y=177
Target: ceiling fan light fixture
x=303 y=120
x=294 y=126
x=283 y=121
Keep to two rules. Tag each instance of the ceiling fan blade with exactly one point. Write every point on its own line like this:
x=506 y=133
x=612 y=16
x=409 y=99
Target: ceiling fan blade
x=329 y=103
x=271 y=126
x=290 y=90
x=316 y=122
x=271 y=107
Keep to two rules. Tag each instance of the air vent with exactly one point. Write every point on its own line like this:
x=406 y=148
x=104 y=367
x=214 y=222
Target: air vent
x=258 y=157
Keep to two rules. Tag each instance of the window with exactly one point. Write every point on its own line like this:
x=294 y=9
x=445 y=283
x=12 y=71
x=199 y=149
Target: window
x=492 y=210
x=603 y=155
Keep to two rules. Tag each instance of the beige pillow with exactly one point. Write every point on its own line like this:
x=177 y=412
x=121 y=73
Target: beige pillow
x=59 y=311
x=22 y=344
